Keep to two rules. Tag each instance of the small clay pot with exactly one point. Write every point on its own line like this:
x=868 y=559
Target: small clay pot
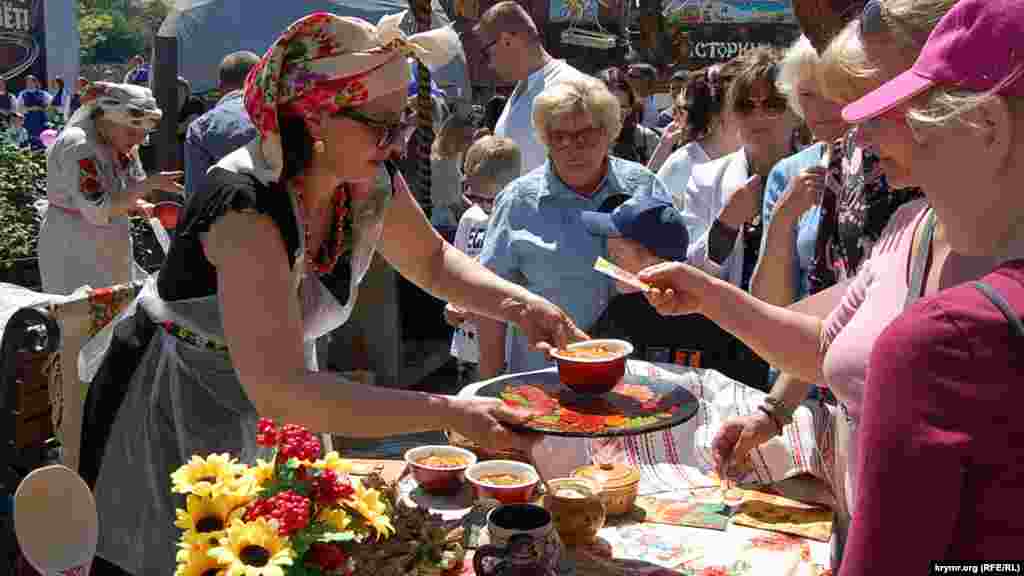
x=619 y=485
x=578 y=519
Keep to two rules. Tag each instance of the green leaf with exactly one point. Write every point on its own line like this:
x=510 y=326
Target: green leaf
x=327 y=538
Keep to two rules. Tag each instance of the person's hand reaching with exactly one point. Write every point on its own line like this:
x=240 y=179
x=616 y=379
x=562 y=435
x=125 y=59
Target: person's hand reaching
x=546 y=326
x=165 y=181
x=735 y=439
x=678 y=288
x=482 y=421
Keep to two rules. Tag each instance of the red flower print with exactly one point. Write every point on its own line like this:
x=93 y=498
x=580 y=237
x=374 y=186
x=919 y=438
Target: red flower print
x=774 y=542
x=636 y=392
x=714 y=571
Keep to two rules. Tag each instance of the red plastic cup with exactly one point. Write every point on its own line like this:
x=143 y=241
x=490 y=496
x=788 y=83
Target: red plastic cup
x=167 y=213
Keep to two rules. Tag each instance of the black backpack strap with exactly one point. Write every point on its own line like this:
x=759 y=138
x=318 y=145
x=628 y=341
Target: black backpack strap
x=997 y=299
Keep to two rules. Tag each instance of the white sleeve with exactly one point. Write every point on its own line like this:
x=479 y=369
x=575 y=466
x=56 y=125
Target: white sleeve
x=698 y=215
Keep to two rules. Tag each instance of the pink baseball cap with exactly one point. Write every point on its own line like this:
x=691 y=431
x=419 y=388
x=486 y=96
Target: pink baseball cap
x=978 y=46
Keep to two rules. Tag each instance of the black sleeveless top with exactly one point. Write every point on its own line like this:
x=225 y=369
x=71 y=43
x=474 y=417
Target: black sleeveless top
x=186 y=273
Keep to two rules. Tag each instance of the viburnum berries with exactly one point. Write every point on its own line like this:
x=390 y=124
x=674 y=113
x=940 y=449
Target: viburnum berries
x=289 y=509
x=291 y=440
x=329 y=489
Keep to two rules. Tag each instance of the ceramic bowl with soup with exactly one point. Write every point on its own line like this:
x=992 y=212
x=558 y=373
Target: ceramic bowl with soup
x=439 y=469
x=593 y=366
x=506 y=481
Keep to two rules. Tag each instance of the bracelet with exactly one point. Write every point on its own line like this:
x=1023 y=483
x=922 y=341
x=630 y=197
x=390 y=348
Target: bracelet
x=778 y=424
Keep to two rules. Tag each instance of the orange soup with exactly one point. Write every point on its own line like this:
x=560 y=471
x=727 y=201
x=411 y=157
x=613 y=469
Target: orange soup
x=443 y=461
x=592 y=352
x=502 y=479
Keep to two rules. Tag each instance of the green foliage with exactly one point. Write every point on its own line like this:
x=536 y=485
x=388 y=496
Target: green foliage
x=112 y=31
x=22 y=183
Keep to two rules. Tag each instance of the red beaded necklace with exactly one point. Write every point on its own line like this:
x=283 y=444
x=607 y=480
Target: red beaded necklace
x=323 y=261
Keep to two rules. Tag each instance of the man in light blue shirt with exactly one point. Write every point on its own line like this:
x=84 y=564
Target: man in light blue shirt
x=224 y=128
x=536 y=238
x=512 y=46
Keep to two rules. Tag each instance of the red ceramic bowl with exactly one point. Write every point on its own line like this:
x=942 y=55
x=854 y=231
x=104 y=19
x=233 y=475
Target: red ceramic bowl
x=437 y=479
x=167 y=213
x=593 y=375
x=518 y=492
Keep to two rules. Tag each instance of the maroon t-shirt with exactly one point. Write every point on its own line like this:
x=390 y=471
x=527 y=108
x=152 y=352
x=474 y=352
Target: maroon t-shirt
x=942 y=435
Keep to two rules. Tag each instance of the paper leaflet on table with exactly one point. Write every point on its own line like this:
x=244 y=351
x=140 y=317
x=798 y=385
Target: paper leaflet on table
x=605 y=267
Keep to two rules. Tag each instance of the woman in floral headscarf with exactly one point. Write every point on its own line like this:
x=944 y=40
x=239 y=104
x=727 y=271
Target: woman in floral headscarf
x=268 y=258
x=93 y=180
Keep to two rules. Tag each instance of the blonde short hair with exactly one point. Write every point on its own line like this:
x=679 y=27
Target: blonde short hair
x=584 y=94
x=494 y=158
x=798 y=63
x=846 y=74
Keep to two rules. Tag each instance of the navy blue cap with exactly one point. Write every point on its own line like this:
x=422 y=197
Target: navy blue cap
x=655 y=224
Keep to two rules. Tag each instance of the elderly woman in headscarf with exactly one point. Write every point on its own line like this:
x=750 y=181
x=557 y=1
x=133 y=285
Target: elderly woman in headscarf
x=93 y=181
x=267 y=258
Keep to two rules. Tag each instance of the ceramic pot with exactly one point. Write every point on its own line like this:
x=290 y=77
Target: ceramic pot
x=619 y=485
x=579 y=515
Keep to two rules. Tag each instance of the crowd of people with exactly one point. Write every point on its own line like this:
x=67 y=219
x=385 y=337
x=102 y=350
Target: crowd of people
x=875 y=271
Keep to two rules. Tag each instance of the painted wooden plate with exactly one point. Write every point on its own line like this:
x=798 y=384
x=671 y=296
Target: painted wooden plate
x=637 y=405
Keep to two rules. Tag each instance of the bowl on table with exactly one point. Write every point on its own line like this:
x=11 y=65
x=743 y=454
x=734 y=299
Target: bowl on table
x=506 y=481
x=439 y=469
x=593 y=366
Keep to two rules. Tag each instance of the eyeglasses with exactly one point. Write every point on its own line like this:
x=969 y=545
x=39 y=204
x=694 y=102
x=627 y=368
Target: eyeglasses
x=586 y=137
x=773 y=106
x=389 y=131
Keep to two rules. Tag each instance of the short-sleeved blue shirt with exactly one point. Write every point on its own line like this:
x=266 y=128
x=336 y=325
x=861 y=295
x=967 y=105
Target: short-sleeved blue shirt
x=535 y=239
x=807 y=227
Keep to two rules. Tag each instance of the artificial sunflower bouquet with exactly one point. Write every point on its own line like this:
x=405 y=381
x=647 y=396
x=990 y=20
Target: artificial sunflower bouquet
x=297 y=515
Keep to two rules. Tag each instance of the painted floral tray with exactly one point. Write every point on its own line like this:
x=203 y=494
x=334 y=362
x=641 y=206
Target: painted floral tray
x=637 y=405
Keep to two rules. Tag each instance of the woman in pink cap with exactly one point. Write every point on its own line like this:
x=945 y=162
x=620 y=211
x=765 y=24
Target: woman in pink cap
x=942 y=440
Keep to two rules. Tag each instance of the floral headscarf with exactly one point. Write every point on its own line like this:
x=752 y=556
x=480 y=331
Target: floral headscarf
x=323 y=63
x=124 y=104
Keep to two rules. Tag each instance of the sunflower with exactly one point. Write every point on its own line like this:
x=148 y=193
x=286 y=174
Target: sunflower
x=206 y=476
x=253 y=549
x=368 y=503
x=199 y=563
x=337 y=518
x=334 y=461
x=205 y=515
x=194 y=543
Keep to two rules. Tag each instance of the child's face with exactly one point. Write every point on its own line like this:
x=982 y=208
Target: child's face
x=481 y=191
x=17 y=122
x=631 y=256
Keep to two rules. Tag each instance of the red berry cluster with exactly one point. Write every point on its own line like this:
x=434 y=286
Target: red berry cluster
x=328 y=557
x=297 y=442
x=291 y=440
x=330 y=489
x=291 y=511
x=266 y=433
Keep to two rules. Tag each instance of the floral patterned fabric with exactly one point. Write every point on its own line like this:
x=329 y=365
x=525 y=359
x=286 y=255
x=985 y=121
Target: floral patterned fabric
x=323 y=63
x=864 y=203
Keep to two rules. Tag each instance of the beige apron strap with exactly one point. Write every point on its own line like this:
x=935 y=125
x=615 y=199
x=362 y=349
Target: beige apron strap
x=841 y=431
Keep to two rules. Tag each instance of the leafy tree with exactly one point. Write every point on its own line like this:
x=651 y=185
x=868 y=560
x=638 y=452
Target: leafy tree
x=112 y=31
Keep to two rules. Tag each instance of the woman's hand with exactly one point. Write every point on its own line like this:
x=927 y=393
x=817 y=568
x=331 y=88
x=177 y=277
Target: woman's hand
x=166 y=181
x=678 y=288
x=803 y=191
x=735 y=439
x=454 y=315
x=743 y=205
x=481 y=420
x=545 y=325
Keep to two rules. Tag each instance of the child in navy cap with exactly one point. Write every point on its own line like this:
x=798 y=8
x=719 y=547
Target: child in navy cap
x=641 y=232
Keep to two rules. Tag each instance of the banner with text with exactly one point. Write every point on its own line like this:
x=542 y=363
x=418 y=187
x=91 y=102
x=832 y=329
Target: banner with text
x=707 y=44
x=22 y=39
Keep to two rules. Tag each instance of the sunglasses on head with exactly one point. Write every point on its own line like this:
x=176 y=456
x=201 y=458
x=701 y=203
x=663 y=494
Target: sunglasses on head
x=390 y=132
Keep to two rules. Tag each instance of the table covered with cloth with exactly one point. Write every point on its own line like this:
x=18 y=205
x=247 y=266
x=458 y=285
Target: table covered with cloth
x=768 y=534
